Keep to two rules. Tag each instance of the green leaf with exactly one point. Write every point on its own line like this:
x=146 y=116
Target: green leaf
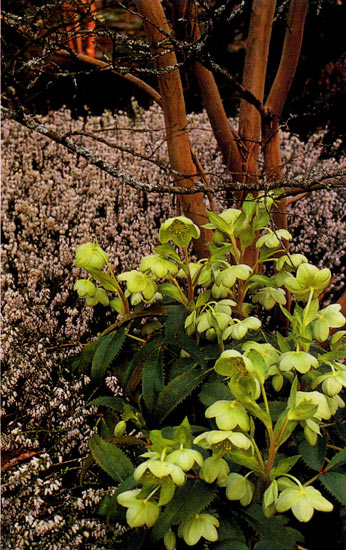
x=106 y=281
x=262 y=280
x=110 y=458
x=284 y=466
x=175 y=322
x=177 y=390
x=282 y=343
x=83 y=360
x=116 y=403
x=219 y=223
x=133 y=540
x=230 y=544
x=331 y=356
x=171 y=290
x=335 y=483
x=152 y=379
x=109 y=508
x=241 y=458
x=139 y=357
x=190 y=499
x=313 y=456
x=261 y=221
x=272 y=529
x=214 y=391
x=107 y=349
x=338 y=459
x=189 y=345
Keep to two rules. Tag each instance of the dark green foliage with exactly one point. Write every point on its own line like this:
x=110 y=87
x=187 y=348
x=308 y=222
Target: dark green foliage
x=111 y=459
x=190 y=499
x=107 y=349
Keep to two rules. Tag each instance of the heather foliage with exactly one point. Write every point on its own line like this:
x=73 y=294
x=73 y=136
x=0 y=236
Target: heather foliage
x=51 y=204
x=203 y=380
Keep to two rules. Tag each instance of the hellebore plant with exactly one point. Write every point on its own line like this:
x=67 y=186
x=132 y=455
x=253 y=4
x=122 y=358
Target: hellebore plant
x=217 y=411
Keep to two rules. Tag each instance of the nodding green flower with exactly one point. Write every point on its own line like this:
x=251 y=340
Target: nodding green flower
x=240 y=328
x=299 y=360
x=316 y=398
x=329 y=317
x=232 y=362
x=139 y=282
x=308 y=278
x=338 y=341
x=289 y=262
x=225 y=439
x=271 y=239
x=169 y=540
x=197 y=527
x=228 y=415
x=212 y=319
x=267 y=351
x=140 y=511
x=239 y=488
x=100 y=296
x=302 y=501
x=90 y=256
x=333 y=381
x=158 y=466
x=185 y=458
x=270 y=498
x=180 y=230
x=268 y=296
x=227 y=277
x=158 y=266
x=84 y=288
x=215 y=468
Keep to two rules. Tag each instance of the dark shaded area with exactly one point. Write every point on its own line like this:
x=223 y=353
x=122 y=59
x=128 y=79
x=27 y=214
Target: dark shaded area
x=316 y=101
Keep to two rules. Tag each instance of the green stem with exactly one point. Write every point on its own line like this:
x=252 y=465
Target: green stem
x=118 y=290
x=188 y=275
x=181 y=293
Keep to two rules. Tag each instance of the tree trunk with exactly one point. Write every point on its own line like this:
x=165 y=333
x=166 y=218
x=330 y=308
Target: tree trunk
x=173 y=104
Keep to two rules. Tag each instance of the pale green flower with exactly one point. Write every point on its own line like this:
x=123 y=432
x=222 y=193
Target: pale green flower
x=185 y=458
x=290 y=262
x=299 y=360
x=158 y=266
x=308 y=278
x=140 y=511
x=333 y=381
x=240 y=328
x=271 y=239
x=329 y=317
x=228 y=415
x=84 y=288
x=228 y=276
x=239 y=488
x=90 y=256
x=315 y=397
x=137 y=281
x=169 y=540
x=197 y=527
x=227 y=438
x=268 y=296
x=270 y=498
x=180 y=230
x=267 y=351
x=100 y=296
x=231 y=361
x=302 y=501
x=215 y=468
x=160 y=469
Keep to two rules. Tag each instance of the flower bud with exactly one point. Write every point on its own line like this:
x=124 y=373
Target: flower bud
x=90 y=255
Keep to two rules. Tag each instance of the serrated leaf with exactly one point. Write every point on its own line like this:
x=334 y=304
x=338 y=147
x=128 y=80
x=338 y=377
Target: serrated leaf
x=152 y=379
x=107 y=349
x=214 y=391
x=190 y=499
x=335 y=483
x=170 y=290
x=260 y=280
x=110 y=458
x=272 y=529
x=331 y=356
x=282 y=343
x=189 y=345
x=177 y=390
x=203 y=298
x=88 y=462
x=138 y=358
x=338 y=459
x=241 y=458
x=219 y=223
x=116 y=403
x=313 y=456
x=106 y=280
x=284 y=466
x=83 y=360
x=175 y=322
x=109 y=508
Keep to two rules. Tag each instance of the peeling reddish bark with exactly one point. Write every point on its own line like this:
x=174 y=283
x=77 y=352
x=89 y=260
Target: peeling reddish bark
x=173 y=104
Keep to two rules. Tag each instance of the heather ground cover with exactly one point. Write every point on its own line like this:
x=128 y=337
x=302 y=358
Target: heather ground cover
x=52 y=202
